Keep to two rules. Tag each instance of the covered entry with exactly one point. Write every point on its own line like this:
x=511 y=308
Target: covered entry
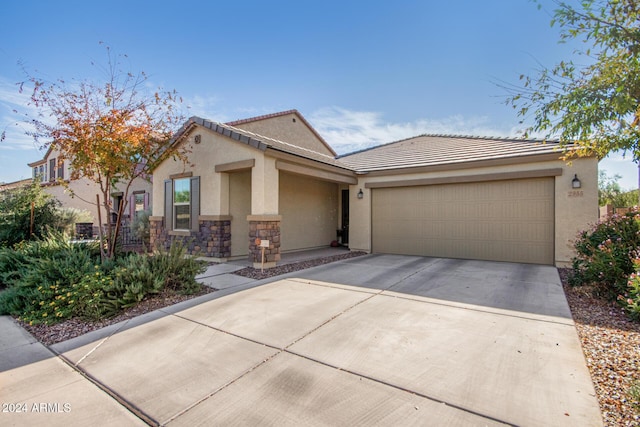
x=501 y=220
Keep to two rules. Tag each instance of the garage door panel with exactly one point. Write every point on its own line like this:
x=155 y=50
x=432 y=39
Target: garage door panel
x=502 y=221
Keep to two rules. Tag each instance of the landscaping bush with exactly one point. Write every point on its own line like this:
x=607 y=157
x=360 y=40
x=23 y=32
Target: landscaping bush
x=140 y=228
x=630 y=300
x=606 y=253
x=178 y=269
x=134 y=279
x=66 y=219
x=15 y=213
x=51 y=280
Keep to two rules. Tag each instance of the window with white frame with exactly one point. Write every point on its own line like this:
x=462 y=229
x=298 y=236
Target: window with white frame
x=182 y=204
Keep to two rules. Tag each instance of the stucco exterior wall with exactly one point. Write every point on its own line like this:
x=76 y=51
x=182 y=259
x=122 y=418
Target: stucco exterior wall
x=575 y=210
x=288 y=128
x=309 y=210
x=239 y=208
x=81 y=193
x=84 y=196
x=213 y=149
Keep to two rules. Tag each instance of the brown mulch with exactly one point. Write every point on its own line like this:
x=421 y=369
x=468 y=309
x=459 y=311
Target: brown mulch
x=71 y=328
x=256 y=273
x=611 y=346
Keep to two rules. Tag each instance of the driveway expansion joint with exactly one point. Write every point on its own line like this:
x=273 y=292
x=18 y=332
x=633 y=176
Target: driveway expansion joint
x=134 y=409
x=222 y=387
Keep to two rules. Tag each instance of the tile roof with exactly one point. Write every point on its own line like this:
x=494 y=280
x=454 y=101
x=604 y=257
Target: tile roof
x=16 y=184
x=431 y=150
x=260 y=142
x=419 y=151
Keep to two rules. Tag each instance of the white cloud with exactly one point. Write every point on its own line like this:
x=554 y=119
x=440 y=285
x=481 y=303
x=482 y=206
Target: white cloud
x=12 y=122
x=204 y=107
x=348 y=131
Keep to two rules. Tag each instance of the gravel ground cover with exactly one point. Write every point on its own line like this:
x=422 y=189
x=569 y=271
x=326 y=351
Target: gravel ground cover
x=71 y=328
x=610 y=341
x=611 y=346
x=256 y=273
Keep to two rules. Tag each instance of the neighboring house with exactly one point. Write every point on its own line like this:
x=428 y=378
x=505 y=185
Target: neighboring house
x=274 y=178
x=4 y=186
x=81 y=193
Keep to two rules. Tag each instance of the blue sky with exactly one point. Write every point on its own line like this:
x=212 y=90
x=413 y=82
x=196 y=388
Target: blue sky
x=362 y=72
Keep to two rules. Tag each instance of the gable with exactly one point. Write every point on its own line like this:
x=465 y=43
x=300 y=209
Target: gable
x=269 y=145
x=289 y=126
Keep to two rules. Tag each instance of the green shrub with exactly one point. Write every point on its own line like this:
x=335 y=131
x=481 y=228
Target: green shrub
x=16 y=213
x=634 y=395
x=50 y=280
x=141 y=227
x=13 y=265
x=94 y=301
x=44 y=285
x=630 y=300
x=177 y=268
x=66 y=219
x=605 y=254
x=134 y=279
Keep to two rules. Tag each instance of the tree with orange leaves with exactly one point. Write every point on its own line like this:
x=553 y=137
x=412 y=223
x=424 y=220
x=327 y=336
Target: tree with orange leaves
x=111 y=133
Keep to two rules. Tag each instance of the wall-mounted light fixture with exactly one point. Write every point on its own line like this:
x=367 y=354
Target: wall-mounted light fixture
x=360 y=194
x=575 y=182
x=197 y=139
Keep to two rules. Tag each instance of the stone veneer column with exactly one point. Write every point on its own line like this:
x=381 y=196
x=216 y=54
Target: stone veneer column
x=264 y=227
x=215 y=236
x=157 y=234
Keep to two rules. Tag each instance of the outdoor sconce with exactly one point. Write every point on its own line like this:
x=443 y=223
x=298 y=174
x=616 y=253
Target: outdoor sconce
x=360 y=194
x=575 y=182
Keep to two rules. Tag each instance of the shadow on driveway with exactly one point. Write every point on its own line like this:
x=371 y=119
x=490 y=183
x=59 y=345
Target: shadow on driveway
x=527 y=288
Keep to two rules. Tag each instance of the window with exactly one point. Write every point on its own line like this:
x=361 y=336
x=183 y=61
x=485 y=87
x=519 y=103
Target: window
x=43 y=173
x=52 y=170
x=61 y=169
x=138 y=203
x=182 y=204
x=35 y=172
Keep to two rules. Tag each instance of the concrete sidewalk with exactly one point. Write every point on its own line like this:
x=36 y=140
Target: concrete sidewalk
x=38 y=388
x=308 y=351
x=220 y=275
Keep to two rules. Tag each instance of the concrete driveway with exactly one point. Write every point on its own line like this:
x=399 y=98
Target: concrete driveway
x=379 y=339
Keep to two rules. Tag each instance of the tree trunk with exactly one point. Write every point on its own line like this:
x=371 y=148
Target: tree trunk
x=107 y=207
x=100 y=236
x=117 y=230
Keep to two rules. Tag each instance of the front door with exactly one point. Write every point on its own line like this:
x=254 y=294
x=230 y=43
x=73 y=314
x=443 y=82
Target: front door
x=345 y=217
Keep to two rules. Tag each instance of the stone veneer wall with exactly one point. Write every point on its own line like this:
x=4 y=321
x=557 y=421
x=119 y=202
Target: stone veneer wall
x=213 y=238
x=265 y=230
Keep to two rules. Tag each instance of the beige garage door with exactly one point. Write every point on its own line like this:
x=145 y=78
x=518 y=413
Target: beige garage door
x=500 y=220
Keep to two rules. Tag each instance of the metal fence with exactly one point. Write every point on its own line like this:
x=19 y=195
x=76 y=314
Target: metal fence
x=126 y=236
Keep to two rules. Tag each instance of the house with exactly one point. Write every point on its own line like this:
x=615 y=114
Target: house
x=274 y=178
x=5 y=186
x=53 y=172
